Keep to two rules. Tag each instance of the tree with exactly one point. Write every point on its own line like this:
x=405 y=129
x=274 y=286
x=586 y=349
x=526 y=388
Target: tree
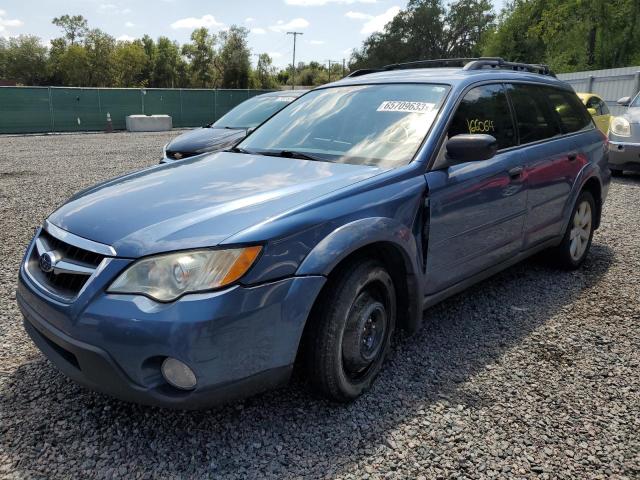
x=26 y=60
x=3 y=58
x=100 y=47
x=201 y=54
x=427 y=29
x=167 y=63
x=265 y=72
x=74 y=27
x=130 y=64
x=233 y=60
x=569 y=35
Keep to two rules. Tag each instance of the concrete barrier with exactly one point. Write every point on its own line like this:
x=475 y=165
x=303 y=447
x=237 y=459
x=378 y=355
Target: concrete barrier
x=149 y=123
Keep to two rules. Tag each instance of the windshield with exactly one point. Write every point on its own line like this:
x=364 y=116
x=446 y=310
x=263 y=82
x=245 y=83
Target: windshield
x=253 y=112
x=381 y=125
x=636 y=101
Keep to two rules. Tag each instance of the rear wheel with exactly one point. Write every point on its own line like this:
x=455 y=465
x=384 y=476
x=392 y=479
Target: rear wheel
x=579 y=234
x=351 y=331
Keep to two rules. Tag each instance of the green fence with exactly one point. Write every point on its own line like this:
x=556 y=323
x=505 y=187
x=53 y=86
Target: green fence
x=62 y=109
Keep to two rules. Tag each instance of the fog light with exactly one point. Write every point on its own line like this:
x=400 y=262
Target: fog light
x=178 y=374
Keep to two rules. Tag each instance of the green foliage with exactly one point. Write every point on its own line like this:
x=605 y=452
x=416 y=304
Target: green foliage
x=75 y=27
x=201 y=54
x=26 y=60
x=428 y=29
x=233 y=60
x=167 y=64
x=569 y=35
x=130 y=63
x=265 y=73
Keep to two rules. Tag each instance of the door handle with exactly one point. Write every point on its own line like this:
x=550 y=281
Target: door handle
x=572 y=156
x=515 y=172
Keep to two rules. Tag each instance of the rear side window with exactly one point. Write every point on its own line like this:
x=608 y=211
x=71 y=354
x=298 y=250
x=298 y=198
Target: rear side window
x=572 y=113
x=485 y=110
x=535 y=118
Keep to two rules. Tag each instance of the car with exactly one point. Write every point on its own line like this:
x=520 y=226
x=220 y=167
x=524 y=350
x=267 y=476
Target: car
x=230 y=128
x=598 y=109
x=308 y=245
x=624 y=138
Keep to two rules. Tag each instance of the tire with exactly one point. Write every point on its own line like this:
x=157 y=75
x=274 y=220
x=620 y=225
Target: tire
x=576 y=242
x=616 y=173
x=351 y=330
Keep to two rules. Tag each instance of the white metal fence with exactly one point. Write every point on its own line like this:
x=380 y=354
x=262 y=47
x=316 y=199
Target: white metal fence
x=610 y=84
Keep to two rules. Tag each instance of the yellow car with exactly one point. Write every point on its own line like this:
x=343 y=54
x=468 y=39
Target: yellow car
x=598 y=110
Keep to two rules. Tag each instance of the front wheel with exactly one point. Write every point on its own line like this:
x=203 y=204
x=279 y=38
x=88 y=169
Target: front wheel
x=576 y=242
x=351 y=331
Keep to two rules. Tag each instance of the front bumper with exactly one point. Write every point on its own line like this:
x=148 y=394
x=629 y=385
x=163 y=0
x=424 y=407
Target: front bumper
x=624 y=156
x=239 y=341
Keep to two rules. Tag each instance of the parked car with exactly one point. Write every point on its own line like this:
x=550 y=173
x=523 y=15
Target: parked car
x=334 y=224
x=598 y=109
x=624 y=138
x=230 y=128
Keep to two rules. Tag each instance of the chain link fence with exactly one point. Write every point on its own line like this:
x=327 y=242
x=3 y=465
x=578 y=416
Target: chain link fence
x=65 y=109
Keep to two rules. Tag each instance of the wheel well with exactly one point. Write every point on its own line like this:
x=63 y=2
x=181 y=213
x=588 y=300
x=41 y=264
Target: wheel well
x=394 y=262
x=593 y=186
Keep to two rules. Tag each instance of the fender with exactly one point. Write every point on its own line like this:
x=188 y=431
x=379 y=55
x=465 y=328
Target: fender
x=348 y=238
x=588 y=172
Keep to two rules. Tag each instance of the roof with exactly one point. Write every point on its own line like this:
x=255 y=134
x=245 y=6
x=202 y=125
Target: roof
x=449 y=76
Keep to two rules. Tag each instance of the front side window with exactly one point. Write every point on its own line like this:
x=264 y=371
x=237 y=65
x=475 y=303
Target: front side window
x=381 y=125
x=253 y=112
x=535 y=118
x=570 y=110
x=485 y=110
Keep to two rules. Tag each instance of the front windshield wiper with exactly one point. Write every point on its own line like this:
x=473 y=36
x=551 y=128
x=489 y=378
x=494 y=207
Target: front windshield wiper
x=292 y=154
x=240 y=150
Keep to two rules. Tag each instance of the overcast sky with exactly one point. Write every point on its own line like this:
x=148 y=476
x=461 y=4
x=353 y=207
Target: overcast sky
x=331 y=27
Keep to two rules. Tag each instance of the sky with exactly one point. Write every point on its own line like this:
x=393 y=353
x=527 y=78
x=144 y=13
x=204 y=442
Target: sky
x=331 y=28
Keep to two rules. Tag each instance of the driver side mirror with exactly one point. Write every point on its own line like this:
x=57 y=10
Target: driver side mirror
x=624 y=101
x=470 y=147
x=592 y=111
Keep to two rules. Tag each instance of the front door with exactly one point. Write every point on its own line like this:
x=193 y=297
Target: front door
x=477 y=208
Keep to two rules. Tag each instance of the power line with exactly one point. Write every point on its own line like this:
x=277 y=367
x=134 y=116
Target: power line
x=293 y=73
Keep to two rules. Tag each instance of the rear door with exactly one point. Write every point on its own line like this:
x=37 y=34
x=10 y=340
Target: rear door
x=546 y=117
x=477 y=208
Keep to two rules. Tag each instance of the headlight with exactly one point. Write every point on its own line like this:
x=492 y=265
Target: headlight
x=620 y=126
x=167 y=277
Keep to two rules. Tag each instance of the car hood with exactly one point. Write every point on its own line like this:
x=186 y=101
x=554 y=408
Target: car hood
x=206 y=139
x=200 y=202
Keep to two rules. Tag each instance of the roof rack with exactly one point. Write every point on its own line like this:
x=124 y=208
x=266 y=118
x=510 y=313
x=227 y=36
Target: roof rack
x=464 y=63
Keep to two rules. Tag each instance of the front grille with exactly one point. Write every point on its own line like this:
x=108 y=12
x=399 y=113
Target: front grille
x=179 y=155
x=65 y=284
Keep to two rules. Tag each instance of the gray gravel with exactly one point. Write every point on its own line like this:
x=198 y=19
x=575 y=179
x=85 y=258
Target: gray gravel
x=532 y=374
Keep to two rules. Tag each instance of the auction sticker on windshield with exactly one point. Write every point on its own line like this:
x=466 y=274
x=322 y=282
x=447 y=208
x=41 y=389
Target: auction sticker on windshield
x=407 y=107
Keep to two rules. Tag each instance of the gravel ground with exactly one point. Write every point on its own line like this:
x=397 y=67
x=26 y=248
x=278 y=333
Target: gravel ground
x=532 y=374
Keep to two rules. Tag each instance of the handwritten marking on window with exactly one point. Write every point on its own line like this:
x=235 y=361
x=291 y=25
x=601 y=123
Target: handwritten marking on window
x=480 y=126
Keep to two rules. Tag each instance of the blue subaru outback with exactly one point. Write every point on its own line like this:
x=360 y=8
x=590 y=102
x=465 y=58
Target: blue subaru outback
x=326 y=230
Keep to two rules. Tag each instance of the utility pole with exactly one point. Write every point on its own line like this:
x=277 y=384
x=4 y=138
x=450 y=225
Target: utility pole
x=293 y=74
x=330 y=62
x=343 y=67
